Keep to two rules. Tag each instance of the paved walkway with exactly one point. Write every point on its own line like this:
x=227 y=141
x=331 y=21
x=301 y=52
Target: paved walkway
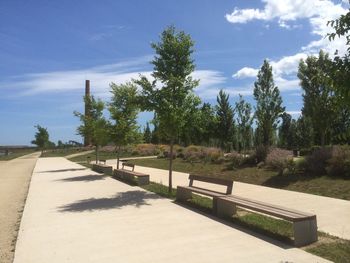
x=14 y=181
x=75 y=215
x=333 y=215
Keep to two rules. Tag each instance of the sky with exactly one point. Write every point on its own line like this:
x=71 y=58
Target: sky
x=49 y=48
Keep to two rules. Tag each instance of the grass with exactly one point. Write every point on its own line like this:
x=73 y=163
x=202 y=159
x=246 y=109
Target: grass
x=102 y=155
x=15 y=153
x=318 y=185
x=328 y=247
x=61 y=152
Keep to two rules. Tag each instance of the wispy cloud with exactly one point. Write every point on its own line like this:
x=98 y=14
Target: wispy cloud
x=101 y=76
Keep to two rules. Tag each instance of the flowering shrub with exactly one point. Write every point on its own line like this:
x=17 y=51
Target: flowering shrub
x=339 y=163
x=279 y=159
x=316 y=162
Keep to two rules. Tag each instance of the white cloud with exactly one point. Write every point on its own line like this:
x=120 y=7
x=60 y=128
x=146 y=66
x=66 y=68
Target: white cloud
x=287 y=12
x=245 y=72
x=294 y=113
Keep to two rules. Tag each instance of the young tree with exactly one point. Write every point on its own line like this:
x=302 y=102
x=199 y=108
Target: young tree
x=319 y=102
x=244 y=121
x=172 y=98
x=304 y=132
x=285 y=131
x=147 y=135
x=94 y=125
x=268 y=104
x=124 y=109
x=41 y=138
x=225 y=123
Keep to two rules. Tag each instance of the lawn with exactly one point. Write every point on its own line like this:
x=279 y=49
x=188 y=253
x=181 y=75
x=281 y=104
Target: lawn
x=323 y=185
x=61 y=152
x=15 y=153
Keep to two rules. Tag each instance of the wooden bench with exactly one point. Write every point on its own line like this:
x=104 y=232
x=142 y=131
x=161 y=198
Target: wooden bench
x=102 y=168
x=102 y=161
x=131 y=176
x=304 y=224
x=184 y=193
x=131 y=165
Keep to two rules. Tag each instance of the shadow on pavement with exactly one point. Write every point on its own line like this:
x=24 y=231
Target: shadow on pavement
x=130 y=198
x=85 y=178
x=284 y=244
x=63 y=170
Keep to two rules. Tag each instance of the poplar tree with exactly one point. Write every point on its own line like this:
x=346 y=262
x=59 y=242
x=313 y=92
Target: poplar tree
x=268 y=104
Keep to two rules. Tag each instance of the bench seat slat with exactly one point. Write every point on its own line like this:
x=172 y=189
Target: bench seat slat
x=277 y=211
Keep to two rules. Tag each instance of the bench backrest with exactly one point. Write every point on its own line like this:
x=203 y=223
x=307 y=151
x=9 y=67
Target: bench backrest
x=220 y=181
x=129 y=165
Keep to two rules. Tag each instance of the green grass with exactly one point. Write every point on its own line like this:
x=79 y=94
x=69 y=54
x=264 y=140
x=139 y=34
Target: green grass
x=15 y=153
x=61 y=152
x=322 y=185
x=101 y=155
x=328 y=247
x=334 y=249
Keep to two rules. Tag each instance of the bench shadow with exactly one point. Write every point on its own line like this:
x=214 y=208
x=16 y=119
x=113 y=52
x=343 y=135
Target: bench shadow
x=84 y=178
x=282 y=181
x=131 y=198
x=282 y=244
x=63 y=170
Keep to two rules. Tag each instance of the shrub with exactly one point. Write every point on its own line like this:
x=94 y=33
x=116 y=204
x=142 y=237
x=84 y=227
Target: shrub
x=261 y=152
x=236 y=160
x=316 y=162
x=339 y=163
x=145 y=149
x=197 y=153
x=279 y=159
x=192 y=153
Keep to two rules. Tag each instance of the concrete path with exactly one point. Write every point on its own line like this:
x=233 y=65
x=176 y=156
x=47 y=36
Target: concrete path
x=14 y=181
x=333 y=215
x=75 y=215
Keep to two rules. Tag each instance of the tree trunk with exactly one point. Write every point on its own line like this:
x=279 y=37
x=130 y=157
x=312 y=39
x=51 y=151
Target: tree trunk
x=171 y=166
x=118 y=154
x=96 y=153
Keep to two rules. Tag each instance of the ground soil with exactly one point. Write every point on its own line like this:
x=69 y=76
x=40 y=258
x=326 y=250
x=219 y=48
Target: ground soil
x=15 y=178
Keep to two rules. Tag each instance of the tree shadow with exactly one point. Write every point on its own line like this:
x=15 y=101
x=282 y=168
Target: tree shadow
x=85 y=178
x=63 y=170
x=131 y=198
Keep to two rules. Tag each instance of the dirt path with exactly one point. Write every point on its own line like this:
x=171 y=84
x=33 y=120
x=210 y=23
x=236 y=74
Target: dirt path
x=14 y=182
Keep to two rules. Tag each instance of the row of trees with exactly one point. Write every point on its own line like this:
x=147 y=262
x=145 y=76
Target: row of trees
x=180 y=117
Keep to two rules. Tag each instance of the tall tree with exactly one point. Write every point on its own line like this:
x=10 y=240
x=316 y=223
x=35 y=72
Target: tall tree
x=341 y=64
x=304 y=132
x=224 y=113
x=147 y=135
x=285 y=131
x=124 y=109
x=268 y=104
x=318 y=97
x=94 y=125
x=41 y=138
x=172 y=98
x=244 y=121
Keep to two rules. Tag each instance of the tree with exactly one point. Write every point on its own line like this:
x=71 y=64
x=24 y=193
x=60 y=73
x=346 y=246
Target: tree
x=41 y=138
x=304 y=132
x=244 y=121
x=341 y=65
x=224 y=115
x=124 y=109
x=285 y=131
x=318 y=95
x=94 y=125
x=147 y=135
x=172 y=98
x=268 y=104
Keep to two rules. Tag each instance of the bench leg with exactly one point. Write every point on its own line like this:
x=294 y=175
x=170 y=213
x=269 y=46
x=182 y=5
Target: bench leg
x=143 y=180
x=305 y=232
x=224 y=208
x=183 y=194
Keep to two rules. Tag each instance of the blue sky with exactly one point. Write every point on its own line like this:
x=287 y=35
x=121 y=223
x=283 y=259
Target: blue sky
x=49 y=48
